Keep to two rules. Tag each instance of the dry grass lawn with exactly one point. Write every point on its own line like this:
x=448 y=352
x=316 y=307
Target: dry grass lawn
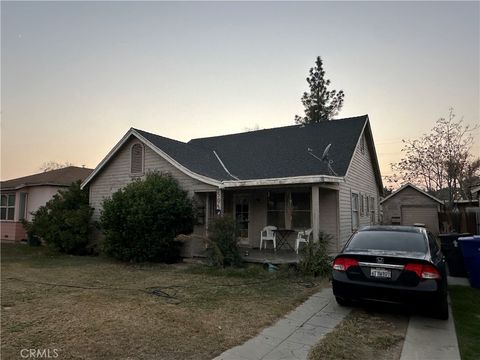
x=107 y=309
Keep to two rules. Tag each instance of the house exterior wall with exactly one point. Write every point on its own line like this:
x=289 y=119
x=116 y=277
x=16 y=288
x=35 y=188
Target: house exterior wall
x=359 y=179
x=116 y=175
x=329 y=216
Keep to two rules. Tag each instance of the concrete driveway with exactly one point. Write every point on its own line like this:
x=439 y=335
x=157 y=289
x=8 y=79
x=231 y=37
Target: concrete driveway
x=293 y=336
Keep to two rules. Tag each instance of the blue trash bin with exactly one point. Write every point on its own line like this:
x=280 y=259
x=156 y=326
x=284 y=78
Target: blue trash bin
x=471 y=254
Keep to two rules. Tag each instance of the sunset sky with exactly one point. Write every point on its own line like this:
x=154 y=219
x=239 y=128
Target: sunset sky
x=75 y=76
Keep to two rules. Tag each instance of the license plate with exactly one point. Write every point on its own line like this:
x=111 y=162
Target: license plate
x=381 y=273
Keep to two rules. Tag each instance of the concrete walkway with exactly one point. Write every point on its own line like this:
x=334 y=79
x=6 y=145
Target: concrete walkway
x=292 y=337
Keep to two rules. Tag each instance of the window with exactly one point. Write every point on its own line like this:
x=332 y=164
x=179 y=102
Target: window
x=362 y=205
x=301 y=218
x=432 y=242
x=372 y=210
x=7 y=208
x=289 y=210
x=355 y=218
x=388 y=240
x=136 y=159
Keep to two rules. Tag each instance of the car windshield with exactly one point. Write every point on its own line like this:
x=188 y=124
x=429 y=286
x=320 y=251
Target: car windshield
x=388 y=240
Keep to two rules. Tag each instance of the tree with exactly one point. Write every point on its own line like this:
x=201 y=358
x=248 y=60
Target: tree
x=440 y=160
x=64 y=221
x=141 y=221
x=54 y=165
x=320 y=104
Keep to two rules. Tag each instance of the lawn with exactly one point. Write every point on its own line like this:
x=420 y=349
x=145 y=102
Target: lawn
x=96 y=308
x=466 y=312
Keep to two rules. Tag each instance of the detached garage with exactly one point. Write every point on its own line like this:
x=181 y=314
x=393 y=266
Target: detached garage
x=410 y=205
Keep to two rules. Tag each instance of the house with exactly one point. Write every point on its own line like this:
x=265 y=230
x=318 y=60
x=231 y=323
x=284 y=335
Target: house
x=22 y=196
x=410 y=205
x=322 y=176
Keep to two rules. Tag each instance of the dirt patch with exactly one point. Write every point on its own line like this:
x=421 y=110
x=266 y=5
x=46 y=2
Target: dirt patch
x=363 y=335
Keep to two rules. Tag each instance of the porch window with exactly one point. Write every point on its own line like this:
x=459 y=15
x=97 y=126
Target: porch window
x=7 y=207
x=289 y=210
x=276 y=209
x=355 y=218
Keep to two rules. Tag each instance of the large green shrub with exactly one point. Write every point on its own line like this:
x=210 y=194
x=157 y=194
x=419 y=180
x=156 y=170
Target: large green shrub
x=64 y=221
x=316 y=260
x=141 y=221
x=223 y=237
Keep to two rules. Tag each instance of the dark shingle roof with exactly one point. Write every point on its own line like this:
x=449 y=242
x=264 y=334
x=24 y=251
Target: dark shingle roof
x=197 y=159
x=284 y=151
x=60 y=177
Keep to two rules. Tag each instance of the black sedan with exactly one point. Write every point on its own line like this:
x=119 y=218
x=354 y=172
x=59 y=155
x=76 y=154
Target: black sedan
x=396 y=264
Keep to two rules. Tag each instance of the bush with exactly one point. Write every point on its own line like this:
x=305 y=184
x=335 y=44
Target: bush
x=315 y=260
x=223 y=239
x=141 y=221
x=63 y=222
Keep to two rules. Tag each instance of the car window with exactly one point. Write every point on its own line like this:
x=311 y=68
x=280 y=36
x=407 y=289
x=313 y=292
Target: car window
x=388 y=240
x=433 y=244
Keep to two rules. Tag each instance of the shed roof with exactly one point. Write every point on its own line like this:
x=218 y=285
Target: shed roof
x=410 y=185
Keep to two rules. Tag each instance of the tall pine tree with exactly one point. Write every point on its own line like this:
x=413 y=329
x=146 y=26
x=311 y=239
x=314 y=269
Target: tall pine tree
x=320 y=104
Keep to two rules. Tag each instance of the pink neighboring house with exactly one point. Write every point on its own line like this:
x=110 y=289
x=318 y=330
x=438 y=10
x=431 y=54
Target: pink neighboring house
x=22 y=196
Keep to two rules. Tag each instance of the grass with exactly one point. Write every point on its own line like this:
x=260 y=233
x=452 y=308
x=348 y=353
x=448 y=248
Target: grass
x=96 y=308
x=466 y=313
x=363 y=335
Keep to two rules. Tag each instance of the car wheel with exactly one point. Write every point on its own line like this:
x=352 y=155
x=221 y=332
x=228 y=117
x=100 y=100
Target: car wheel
x=441 y=310
x=342 y=301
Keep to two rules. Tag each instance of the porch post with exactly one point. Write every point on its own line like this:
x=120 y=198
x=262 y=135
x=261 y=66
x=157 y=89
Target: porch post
x=219 y=206
x=207 y=212
x=315 y=212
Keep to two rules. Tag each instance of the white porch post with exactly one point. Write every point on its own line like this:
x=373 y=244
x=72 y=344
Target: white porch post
x=315 y=212
x=207 y=213
x=219 y=206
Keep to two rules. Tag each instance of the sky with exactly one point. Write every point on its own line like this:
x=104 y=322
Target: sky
x=75 y=76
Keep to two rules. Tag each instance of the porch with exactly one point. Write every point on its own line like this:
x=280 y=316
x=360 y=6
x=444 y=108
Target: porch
x=293 y=207
x=269 y=256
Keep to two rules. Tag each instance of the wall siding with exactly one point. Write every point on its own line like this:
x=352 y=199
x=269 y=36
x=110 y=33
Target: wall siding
x=116 y=175
x=361 y=179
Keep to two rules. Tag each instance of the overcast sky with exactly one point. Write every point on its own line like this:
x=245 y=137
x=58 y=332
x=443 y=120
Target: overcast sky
x=75 y=76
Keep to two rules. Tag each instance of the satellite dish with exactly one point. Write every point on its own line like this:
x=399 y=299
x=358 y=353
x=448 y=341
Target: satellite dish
x=325 y=152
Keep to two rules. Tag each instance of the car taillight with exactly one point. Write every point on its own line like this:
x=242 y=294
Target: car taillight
x=424 y=271
x=343 y=263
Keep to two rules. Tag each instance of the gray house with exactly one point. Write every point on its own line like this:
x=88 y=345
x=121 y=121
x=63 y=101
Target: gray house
x=410 y=205
x=322 y=176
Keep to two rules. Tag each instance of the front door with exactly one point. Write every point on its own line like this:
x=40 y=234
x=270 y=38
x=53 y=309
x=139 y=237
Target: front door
x=242 y=216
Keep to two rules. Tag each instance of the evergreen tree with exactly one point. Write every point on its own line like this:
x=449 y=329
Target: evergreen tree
x=320 y=104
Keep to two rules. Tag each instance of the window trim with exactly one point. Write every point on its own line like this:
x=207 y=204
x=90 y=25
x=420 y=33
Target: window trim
x=6 y=207
x=142 y=172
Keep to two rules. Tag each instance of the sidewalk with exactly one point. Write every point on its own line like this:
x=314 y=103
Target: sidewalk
x=292 y=337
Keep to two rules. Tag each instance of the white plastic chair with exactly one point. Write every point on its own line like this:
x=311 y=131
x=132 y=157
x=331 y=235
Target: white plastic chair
x=302 y=237
x=268 y=234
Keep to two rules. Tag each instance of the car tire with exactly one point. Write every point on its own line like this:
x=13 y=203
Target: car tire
x=342 y=301
x=441 y=310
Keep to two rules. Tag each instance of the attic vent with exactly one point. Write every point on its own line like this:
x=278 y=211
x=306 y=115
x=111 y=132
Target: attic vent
x=136 y=160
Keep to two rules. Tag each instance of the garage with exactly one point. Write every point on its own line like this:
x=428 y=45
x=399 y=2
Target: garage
x=411 y=205
x=427 y=215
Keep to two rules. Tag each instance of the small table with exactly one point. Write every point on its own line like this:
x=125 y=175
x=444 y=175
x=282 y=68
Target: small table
x=281 y=235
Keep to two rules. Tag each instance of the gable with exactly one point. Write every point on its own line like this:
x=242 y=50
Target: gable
x=411 y=195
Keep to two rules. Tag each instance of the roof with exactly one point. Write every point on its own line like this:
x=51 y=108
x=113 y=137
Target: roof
x=59 y=177
x=291 y=153
x=413 y=187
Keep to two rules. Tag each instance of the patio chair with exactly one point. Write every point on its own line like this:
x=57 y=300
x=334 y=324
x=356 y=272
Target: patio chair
x=268 y=234
x=302 y=237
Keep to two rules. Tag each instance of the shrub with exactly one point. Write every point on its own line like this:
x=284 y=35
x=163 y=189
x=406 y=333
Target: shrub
x=141 y=221
x=223 y=239
x=64 y=222
x=315 y=260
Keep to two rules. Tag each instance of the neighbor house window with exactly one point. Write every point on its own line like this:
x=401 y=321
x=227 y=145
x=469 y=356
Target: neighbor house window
x=136 y=159
x=289 y=210
x=7 y=208
x=355 y=216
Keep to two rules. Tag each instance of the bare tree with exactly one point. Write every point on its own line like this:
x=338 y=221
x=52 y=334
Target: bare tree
x=54 y=165
x=440 y=160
